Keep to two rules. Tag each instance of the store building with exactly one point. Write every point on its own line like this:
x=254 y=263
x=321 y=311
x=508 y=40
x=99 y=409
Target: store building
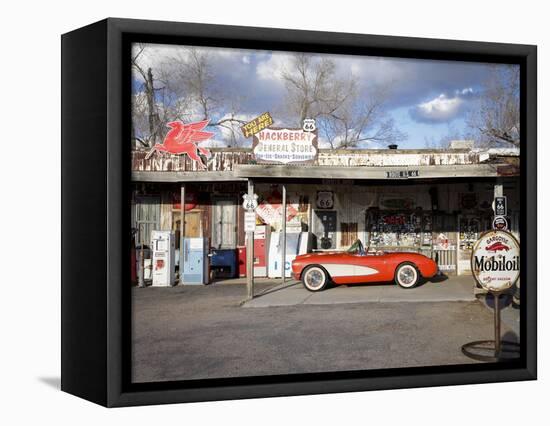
x=432 y=201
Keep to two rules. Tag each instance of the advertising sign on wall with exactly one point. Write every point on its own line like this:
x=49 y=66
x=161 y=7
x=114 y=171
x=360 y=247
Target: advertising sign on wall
x=270 y=208
x=285 y=146
x=191 y=201
x=325 y=200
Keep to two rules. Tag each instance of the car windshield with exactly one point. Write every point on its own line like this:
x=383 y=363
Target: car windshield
x=357 y=248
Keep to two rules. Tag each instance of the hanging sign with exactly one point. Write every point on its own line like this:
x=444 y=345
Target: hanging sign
x=250 y=202
x=249 y=221
x=257 y=125
x=402 y=174
x=500 y=223
x=500 y=206
x=495 y=261
x=285 y=146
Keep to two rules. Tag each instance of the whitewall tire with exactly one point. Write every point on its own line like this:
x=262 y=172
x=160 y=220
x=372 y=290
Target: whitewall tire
x=406 y=275
x=315 y=278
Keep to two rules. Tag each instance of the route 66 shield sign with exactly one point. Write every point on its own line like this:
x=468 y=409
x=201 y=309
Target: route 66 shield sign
x=309 y=125
x=250 y=202
x=325 y=199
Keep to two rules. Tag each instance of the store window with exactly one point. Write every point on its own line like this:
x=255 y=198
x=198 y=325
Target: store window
x=224 y=224
x=403 y=230
x=348 y=233
x=445 y=241
x=145 y=217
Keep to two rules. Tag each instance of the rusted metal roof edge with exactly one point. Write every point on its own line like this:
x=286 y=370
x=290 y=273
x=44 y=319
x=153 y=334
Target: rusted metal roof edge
x=385 y=173
x=196 y=176
x=244 y=171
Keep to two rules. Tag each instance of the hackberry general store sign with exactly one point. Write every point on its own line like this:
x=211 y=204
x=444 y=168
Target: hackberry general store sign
x=495 y=260
x=285 y=146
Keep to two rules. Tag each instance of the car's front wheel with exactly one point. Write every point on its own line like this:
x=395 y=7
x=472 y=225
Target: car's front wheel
x=406 y=275
x=315 y=278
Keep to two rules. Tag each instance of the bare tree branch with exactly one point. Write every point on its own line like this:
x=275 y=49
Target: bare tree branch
x=497 y=120
x=345 y=115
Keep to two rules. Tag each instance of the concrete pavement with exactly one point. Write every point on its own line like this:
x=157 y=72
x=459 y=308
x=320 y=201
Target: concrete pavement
x=439 y=289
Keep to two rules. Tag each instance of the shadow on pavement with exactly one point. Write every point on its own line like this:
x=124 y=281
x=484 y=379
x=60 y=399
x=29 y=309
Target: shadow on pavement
x=278 y=287
x=438 y=278
x=489 y=300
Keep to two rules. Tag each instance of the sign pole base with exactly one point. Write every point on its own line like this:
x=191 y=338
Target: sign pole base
x=493 y=350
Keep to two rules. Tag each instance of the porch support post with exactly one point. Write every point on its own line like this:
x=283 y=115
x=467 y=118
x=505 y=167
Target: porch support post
x=498 y=191
x=250 y=252
x=182 y=228
x=283 y=233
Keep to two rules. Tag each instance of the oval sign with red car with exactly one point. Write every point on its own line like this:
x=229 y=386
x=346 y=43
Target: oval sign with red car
x=495 y=260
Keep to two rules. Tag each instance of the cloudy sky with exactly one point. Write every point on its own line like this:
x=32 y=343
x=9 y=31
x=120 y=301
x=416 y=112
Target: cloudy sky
x=428 y=99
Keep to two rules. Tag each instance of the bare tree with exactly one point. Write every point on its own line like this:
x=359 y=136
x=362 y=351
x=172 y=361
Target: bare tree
x=206 y=96
x=149 y=90
x=497 y=119
x=312 y=89
x=360 y=119
x=445 y=141
x=345 y=114
x=181 y=87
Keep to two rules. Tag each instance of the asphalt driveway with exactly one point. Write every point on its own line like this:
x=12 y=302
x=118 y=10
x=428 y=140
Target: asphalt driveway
x=195 y=332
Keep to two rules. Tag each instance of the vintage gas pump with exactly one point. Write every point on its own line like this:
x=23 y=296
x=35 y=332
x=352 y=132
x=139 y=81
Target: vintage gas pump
x=163 y=245
x=195 y=261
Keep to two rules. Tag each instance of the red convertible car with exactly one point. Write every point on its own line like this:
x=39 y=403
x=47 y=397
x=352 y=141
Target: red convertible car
x=317 y=270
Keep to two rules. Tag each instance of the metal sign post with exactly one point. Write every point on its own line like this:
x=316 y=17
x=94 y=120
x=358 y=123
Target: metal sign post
x=182 y=231
x=141 y=271
x=495 y=266
x=283 y=238
x=250 y=246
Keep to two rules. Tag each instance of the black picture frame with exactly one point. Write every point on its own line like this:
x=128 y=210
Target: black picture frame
x=95 y=212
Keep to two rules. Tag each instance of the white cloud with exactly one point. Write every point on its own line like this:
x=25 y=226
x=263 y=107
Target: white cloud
x=169 y=57
x=272 y=68
x=376 y=70
x=443 y=108
x=465 y=92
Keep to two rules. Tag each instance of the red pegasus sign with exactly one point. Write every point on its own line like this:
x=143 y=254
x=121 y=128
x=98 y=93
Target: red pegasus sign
x=183 y=139
x=497 y=246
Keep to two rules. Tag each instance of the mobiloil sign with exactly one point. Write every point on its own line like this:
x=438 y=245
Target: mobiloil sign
x=496 y=260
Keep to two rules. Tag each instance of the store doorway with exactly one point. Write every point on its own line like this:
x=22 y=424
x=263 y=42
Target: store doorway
x=193 y=224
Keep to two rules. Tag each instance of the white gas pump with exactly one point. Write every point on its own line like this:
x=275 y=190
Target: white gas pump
x=163 y=245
